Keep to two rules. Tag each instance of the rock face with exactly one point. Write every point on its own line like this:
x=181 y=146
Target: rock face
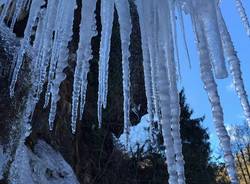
x=90 y=145
x=43 y=165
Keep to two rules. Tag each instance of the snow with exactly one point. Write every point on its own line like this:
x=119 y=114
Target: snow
x=44 y=166
x=139 y=135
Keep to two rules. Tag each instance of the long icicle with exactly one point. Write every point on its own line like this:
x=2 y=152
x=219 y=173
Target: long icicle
x=146 y=60
x=34 y=12
x=47 y=42
x=66 y=32
x=234 y=62
x=174 y=99
x=164 y=94
x=107 y=16
x=243 y=16
x=123 y=11
x=211 y=88
x=54 y=53
x=167 y=88
x=84 y=55
x=150 y=20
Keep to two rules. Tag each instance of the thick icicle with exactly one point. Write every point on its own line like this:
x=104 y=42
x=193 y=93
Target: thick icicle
x=164 y=88
x=123 y=11
x=243 y=16
x=84 y=55
x=146 y=59
x=234 y=62
x=34 y=12
x=150 y=20
x=64 y=37
x=211 y=88
x=207 y=13
x=107 y=16
x=174 y=95
x=55 y=51
x=47 y=40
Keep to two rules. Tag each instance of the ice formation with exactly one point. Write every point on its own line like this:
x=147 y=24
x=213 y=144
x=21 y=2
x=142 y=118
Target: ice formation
x=49 y=30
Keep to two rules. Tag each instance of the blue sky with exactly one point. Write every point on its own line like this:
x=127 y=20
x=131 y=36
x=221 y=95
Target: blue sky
x=195 y=94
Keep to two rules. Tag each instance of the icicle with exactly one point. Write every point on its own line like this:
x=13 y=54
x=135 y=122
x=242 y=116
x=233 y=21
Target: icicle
x=2 y=2
x=64 y=37
x=182 y=26
x=243 y=16
x=18 y=8
x=211 y=88
x=164 y=89
x=55 y=51
x=169 y=95
x=174 y=98
x=5 y=11
x=174 y=31
x=207 y=12
x=47 y=41
x=146 y=59
x=84 y=54
x=34 y=11
x=107 y=16
x=234 y=62
x=37 y=46
x=123 y=11
x=148 y=17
